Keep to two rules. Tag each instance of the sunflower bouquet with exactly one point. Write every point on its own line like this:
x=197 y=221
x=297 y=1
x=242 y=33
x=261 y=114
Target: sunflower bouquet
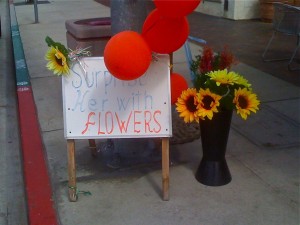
x=216 y=88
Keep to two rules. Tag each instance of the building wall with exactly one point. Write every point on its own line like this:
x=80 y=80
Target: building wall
x=214 y=8
x=236 y=9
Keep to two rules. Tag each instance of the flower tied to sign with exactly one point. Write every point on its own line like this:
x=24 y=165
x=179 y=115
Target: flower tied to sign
x=216 y=88
x=57 y=55
x=60 y=57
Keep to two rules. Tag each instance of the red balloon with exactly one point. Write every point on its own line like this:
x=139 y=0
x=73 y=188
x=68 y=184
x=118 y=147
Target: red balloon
x=178 y=84
x=165 y=35
x=176 y=8
x=127 y=55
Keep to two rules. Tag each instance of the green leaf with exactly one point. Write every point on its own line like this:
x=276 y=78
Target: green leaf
x=60 y=46
x=49 y=41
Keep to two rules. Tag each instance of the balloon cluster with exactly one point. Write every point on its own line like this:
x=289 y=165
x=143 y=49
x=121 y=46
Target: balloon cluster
x=128 y=54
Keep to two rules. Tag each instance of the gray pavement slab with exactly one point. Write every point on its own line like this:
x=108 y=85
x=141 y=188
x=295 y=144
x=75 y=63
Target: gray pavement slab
x=265 y=185
x=48 y=99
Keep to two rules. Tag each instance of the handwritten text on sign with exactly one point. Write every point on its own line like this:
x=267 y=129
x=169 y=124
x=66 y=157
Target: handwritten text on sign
x=99 y=105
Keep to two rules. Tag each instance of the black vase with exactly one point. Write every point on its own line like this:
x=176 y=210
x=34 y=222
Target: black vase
x=213 y=169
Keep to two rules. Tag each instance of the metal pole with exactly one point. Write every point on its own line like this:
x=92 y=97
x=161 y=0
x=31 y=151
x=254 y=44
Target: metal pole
x=127 y=15
x=36 y=16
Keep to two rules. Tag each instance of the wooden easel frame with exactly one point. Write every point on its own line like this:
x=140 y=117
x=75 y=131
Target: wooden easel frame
x=72 y=186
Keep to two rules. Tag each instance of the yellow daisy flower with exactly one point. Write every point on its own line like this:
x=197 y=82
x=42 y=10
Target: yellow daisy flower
x=57 y=61
x=187 y=105
x=208 y=103
x=242 y=81
x=245 y=102
x=223 y=77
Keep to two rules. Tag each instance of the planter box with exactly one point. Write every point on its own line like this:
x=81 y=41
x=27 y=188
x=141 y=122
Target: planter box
x=93 y=33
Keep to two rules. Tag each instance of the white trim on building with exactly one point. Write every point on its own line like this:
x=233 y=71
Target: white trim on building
x=231 y=9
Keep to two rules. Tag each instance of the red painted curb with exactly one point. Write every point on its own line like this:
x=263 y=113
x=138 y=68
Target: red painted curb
x=37 y=181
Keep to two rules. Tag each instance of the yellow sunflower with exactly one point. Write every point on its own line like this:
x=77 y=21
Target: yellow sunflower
x=187 y=105
x=223 y=77
x=208 y=103
x=245 y=102
x=57 y=61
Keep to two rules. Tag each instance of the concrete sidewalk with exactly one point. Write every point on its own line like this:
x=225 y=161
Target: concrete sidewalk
x=262 y=154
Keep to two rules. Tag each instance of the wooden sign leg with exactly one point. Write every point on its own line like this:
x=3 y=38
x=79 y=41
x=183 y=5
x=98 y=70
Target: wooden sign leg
x=165 y=168
x=72 y=171
x=93 y=147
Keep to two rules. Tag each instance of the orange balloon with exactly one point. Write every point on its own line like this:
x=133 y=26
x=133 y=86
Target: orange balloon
x=127 y=55
x=165 y=35
x=178 y=84
x=176 y=8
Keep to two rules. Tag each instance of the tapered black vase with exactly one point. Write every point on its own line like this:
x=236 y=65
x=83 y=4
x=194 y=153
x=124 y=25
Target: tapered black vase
x=213 y=169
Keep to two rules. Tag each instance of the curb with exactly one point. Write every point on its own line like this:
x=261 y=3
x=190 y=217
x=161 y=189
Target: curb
x=38 y=189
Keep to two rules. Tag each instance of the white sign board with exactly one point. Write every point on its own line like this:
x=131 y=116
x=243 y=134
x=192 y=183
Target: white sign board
x=98 y=105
